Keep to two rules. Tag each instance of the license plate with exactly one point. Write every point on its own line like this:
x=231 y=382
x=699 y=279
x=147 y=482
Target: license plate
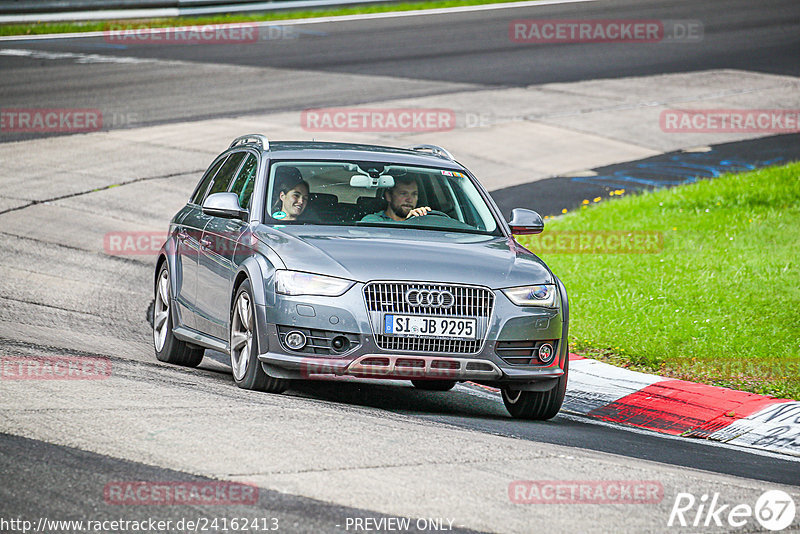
x=421 y=326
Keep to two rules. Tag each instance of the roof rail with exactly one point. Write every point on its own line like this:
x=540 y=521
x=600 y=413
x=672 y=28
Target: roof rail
x=252 y=139
x=437 y=150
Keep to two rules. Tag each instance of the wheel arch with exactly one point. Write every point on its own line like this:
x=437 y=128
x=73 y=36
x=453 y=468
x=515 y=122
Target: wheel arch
x=564 y=352
x=256 y=269
x=253 y=269
x=161 y=260
x=168 y=250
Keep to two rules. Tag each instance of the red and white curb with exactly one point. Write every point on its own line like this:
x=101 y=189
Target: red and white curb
x=678 y=407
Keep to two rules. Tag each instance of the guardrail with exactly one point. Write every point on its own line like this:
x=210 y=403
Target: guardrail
x=25 y=11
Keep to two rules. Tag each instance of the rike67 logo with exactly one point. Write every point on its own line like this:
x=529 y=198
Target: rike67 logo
x=774 y=510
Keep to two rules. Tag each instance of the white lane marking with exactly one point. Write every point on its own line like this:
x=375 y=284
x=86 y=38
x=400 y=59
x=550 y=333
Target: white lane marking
x=320 y=20
x=80 y=58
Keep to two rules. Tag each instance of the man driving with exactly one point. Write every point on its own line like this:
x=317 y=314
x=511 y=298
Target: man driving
x=402 y=202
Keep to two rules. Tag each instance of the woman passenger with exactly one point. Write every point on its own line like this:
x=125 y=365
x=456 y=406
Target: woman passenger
x=292 y=198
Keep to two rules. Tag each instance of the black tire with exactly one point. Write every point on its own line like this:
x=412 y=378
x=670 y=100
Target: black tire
x=434 y=385
x=247 y=370
x=537 y=405
x=172 y=350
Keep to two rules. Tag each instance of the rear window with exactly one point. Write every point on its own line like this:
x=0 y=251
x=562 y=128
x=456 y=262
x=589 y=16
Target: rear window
x=223 y=177
x=199 y=192
x=245 y=181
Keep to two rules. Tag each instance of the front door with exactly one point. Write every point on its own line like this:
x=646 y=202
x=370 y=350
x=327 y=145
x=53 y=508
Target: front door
x=213 y=264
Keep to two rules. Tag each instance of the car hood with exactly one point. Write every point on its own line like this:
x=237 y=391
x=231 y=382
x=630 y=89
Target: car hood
x=365 y=254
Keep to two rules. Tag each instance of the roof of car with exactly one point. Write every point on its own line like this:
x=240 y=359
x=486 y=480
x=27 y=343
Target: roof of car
x=310 y=150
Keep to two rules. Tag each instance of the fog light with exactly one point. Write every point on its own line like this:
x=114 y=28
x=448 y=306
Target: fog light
x=546 y=353
x=340 y=343
x=295 y=340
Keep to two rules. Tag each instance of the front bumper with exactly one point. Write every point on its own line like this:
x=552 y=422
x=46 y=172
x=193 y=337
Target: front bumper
x=347 y=314
x=402 y=367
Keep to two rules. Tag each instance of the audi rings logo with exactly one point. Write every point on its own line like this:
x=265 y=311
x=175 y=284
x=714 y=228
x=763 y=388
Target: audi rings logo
x=425 y=298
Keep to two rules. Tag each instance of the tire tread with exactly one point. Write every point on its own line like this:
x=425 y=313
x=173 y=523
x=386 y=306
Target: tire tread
x=540 y=405
x=255 y=378
x=176 y=351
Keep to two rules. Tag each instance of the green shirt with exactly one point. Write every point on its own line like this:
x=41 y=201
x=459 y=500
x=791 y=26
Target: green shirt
x=377 y=217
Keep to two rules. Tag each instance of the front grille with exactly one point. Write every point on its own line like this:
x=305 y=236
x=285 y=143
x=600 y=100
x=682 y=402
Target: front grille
x=468 y=302
x=389 y=297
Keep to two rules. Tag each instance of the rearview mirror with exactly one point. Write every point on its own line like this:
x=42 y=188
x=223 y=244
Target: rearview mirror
x=368 y=182
x=224 y=205
x=525 y=222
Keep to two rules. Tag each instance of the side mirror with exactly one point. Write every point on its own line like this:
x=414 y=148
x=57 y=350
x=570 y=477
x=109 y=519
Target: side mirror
x=224 y=205
x=525 y=222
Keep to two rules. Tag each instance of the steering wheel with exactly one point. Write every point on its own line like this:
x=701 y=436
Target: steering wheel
x=433 y=212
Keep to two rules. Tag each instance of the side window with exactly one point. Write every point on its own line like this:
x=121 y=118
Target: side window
x=441 y=199
x=223 y=177
x=207 y=177
x=470 y=215
x=245 y=180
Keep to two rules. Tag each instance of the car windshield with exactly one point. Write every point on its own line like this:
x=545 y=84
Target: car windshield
x=375 y=194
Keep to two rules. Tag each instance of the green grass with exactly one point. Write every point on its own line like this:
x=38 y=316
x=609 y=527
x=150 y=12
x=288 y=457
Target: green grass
x=720 y=304
x=70 y=27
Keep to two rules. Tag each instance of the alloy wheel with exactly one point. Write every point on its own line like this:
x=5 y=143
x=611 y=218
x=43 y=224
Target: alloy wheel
x=241 y=335
x=161 y=311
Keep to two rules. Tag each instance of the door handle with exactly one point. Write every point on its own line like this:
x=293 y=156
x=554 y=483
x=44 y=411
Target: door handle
x=205 y=243
x=182 y=235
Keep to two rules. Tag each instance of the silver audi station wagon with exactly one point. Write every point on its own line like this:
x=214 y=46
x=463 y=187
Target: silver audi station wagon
x=306 y=260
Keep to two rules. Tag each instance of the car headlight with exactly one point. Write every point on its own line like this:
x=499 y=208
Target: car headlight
x=539 y=295
x=298 y=283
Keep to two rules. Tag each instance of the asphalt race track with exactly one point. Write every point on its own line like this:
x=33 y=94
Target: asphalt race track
x=325 y=453
x=392 y=58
